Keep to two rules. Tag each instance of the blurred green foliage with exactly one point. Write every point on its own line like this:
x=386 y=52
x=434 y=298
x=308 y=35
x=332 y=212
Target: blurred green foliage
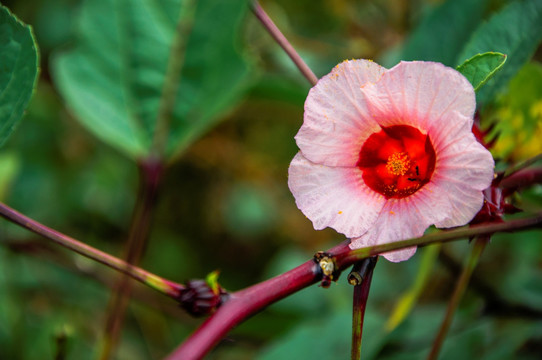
x=518 y=116
x=515 y=31
x=225 y=204
x=443 y=31
x=114 y=78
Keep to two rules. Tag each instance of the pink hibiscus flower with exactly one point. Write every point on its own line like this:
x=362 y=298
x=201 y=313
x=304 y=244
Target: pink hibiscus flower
x=387 y=153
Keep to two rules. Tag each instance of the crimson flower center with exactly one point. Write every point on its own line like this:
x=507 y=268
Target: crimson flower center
x=397 y=161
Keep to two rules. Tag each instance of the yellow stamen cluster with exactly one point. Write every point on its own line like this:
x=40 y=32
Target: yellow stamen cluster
x=398 y=163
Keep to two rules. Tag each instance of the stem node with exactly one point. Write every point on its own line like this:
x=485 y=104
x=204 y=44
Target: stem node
x=328 y=268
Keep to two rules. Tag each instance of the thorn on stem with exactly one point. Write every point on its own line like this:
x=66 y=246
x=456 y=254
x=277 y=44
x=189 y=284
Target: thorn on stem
x=359 y=270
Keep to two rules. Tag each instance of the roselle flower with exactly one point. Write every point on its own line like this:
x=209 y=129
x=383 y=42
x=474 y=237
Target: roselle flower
x=384 y=154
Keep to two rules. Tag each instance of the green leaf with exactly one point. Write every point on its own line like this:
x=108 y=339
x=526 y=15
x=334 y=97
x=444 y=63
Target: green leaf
x=442 y=32
x=480 y=68
x=18 y=70
x=113 y=79
x=515 y=31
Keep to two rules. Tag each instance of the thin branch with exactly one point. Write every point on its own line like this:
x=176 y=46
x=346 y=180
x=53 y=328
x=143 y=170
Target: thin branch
x=45 y=251
x=439 y=237
x=61 y=340
x=150 y=172
x=460 y=287
x=251 y=300
x=150 y=175
x=494 y=303
x=522 y=165
x=158 y=283
x=283 y=42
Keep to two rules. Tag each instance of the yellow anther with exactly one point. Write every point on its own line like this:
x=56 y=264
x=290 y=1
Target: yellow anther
x=398 y=163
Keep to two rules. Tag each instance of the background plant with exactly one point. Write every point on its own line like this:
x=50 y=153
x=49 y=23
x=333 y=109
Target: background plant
x=223 y=201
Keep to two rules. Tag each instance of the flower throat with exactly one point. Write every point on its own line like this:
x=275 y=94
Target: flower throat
x=397 y=161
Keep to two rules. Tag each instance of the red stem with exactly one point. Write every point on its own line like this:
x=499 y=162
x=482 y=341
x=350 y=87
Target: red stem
x=523 y=178
x=245 y=303
x=522 y=165
x=169 y=288
x=249 y=301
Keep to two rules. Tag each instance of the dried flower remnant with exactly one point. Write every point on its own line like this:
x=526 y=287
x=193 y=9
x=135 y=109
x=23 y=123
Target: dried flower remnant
x=384 y=154
x=202 y=297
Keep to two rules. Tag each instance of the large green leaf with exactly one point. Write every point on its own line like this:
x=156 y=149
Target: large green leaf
x=18 y=70
x=515 y=31
x=480 y=68
x=442 y=32
x=113 y=79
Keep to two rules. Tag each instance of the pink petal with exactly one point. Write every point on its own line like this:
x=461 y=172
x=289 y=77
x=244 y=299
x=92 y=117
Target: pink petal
x=465 y=203
x=405 y=218
x=333 y=196
x=398 y=220
x=354 y=101
x=449 y=131
x=464 y=170
x=420 y=94
x=336 y=120
x=466 y=162
x=400 y=255
x=451 y=198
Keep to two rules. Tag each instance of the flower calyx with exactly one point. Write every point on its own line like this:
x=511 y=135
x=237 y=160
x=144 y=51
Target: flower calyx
x=202 y=297
x=495 y=204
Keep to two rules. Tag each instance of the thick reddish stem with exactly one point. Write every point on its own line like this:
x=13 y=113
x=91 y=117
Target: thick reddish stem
x=522 y=165
x=523 y=178
x=249 y=301
x=243 y=304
